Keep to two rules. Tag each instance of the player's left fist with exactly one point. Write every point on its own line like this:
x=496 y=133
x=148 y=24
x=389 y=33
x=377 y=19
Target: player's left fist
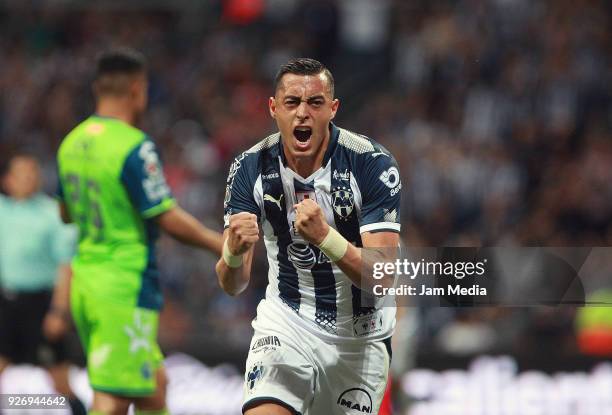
x=310 y=222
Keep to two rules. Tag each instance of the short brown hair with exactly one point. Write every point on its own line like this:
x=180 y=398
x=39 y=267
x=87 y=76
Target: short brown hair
x=304 y=66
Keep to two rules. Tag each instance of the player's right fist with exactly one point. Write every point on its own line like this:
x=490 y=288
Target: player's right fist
x=243 y=232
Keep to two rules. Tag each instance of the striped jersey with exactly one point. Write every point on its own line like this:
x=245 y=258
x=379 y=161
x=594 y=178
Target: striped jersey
x=358 y=188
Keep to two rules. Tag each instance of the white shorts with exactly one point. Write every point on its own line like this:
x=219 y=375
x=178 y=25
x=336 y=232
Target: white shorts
x=291 y=367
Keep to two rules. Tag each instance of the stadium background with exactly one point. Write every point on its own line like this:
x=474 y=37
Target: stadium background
x=498 y=112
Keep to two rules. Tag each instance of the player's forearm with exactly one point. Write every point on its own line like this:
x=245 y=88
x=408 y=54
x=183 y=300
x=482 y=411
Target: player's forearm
x=184 y=227
x=350 y=264
x=232 y=280
x=358 y=267
x=60 y=302
x=358 y=263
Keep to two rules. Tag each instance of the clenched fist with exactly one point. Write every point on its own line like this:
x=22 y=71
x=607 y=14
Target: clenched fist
x=310 y=222
x=243 y=232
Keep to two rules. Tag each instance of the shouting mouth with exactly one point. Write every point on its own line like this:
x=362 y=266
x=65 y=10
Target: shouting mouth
x=302 y=134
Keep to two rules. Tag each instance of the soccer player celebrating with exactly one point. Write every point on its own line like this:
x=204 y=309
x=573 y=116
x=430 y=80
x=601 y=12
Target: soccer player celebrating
x=113 y=187
x=320 y=193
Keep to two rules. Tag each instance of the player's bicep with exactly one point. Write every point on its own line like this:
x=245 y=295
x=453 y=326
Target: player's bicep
x=380 y=239
x=144 y=180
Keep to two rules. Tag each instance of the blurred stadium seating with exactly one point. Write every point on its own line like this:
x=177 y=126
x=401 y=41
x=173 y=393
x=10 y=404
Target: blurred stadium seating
x=498 y=111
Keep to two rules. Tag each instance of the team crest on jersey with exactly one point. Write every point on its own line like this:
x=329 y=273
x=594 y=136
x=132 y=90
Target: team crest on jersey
x=254 y=375
x=343 y=202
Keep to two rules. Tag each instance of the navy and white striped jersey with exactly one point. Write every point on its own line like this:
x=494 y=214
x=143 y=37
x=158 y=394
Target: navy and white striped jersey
x=358 y=189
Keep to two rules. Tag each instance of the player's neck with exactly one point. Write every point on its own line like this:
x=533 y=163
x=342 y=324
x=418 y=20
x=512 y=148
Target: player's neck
x=305 y=166
x=116 y=108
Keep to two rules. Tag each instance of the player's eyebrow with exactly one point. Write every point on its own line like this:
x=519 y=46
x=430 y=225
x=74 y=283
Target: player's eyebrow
x=295 y=97
x=318 y=96
x=309 y=99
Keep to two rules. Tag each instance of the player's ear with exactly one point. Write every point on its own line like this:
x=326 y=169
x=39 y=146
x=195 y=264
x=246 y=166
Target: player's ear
x=334 y=107
x=272 y=106
x=133 y=89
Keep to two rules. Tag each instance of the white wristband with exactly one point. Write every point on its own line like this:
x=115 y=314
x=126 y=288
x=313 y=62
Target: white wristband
x=334 y=245
x=232 y=261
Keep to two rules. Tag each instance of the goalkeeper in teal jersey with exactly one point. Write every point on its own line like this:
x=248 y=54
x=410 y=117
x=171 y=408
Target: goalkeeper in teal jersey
x=113 y=187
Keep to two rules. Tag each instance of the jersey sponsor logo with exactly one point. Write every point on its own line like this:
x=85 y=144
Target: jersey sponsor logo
x=293 y=230
x=277 y=202
x=270 y=176
x=228 y=195
x=234 y=168
x=391 y=179
x=343 y=202
x=301 y=255
x=254 y=374
x=357 y=400
x=368 y=324
x=230 y=178
x=379 y=153
x=265 y=344
x=154 y=182
x=323 y=259
x=139 y=334
x=345 y=175
x=396 y=189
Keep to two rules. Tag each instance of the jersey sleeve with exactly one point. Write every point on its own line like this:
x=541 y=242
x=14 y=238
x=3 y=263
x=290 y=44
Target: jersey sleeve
x=380 y=210
x=144 y=180
x=59 y=190
x=239 y=192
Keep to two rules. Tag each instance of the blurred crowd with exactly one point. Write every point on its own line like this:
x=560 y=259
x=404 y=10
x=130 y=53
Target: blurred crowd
x=499 y=113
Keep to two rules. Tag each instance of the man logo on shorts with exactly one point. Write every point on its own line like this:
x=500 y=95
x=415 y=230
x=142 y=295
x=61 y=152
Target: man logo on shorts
x=357 y=400
x=254 y=375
